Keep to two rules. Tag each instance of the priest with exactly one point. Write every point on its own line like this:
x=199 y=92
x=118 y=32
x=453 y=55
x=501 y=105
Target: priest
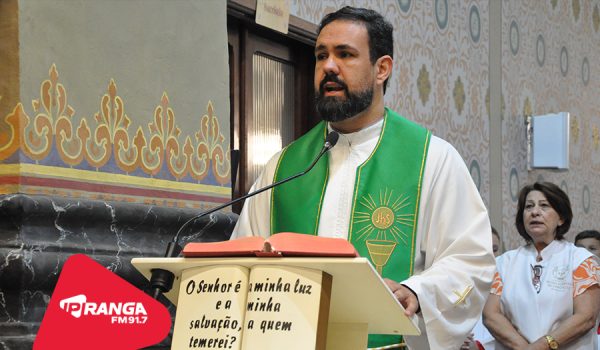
x=402 y=196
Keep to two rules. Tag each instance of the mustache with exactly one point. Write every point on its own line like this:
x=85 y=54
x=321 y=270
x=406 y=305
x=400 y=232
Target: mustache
x=333 y=79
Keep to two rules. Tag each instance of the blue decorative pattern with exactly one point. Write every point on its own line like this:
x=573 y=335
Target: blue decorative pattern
x=585 y=71
x=514 y=38
x=541 y=50
x=441 y=13
x=564 y=61
x=474 y=24
x=540 y=178
x=404 y=5
x=564 y=187
x=586 y=199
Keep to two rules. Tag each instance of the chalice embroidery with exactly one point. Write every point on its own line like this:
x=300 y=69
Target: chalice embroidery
x=382 y=223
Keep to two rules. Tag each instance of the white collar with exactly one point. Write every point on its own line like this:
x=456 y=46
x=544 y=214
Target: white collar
x=554 y=247
x=361 y=136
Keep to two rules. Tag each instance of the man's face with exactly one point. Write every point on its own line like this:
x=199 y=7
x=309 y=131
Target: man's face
x=344 y=75
x=591 y=244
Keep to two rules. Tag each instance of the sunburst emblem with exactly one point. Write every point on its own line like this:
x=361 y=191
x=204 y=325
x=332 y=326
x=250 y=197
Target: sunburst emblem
x=383 y=224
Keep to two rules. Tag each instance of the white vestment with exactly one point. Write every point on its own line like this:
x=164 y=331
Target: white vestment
x=538 y=314
x=453 y=247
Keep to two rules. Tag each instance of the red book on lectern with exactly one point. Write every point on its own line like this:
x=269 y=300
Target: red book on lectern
x=280 y=244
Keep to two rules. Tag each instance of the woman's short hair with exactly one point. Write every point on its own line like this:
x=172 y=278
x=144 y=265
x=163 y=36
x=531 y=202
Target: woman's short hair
x=557 y=198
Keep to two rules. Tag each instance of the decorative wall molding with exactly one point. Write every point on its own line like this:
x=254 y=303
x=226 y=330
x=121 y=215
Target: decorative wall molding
x=52 y=151
x=108 y=142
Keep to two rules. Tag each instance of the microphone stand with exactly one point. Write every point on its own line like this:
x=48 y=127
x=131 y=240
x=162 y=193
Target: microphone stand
x=161 y=280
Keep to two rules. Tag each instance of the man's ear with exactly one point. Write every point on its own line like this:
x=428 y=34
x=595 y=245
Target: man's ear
x=384 y=66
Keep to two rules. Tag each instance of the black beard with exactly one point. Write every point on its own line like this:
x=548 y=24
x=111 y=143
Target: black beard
x=335 y=109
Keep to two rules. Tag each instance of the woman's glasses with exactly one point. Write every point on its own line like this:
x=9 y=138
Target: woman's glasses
x=536 y=279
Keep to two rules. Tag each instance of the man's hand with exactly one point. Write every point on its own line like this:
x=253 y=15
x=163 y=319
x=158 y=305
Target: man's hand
x=469 y=343
x=405 y=296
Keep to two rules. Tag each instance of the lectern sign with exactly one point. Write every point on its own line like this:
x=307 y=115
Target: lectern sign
x=262 y=307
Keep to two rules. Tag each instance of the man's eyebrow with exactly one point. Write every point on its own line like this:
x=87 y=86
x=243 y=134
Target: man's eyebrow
x=344 y=47
x=337 y=47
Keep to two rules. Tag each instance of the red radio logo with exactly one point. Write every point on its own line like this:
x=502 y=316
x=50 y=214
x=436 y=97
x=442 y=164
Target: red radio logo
x=92 y=308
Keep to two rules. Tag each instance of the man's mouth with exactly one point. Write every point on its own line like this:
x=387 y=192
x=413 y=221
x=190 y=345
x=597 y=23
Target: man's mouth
x=329 y=87
x=333 y=89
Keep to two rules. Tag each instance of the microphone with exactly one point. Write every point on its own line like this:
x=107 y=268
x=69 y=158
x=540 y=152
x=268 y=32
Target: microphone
x=161 y=280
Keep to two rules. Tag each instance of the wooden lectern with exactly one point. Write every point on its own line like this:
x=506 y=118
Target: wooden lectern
x=360 y=303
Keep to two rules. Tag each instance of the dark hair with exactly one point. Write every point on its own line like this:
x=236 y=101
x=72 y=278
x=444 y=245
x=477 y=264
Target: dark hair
x=557 y=198
x=380 y=31
x=587 y=234
x=495 y=232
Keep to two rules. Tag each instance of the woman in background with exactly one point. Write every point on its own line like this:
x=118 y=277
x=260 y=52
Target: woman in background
x=546 y=294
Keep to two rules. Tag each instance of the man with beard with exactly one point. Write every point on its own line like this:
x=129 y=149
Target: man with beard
x=388 y=186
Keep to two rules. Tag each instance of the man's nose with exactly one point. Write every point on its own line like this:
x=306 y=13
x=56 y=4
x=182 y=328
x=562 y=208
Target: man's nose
x=330 y=65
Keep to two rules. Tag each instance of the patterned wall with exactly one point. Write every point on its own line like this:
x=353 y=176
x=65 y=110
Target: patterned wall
x=551 y=63
x=550 y=56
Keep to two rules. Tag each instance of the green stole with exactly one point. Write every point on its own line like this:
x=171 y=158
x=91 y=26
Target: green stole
x=385 y=205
